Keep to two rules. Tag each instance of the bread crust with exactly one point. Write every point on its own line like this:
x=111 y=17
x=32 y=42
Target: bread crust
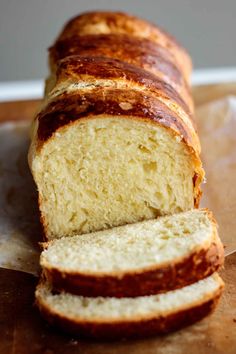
x=85 y=104
x=75 y=68
x=147 y=281
x=121 y=23
x=138 y=52
x=132 y=329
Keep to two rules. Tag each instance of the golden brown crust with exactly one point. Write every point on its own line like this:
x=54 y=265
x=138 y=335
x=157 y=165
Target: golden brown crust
x=118 y=22
x=166 y=277
x=75 y=69
x=139 y=52
x=129 y=104
x=132 y=329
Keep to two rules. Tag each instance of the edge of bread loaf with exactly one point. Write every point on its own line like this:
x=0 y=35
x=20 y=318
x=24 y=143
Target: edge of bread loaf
x=144 y=326
x=172 y=275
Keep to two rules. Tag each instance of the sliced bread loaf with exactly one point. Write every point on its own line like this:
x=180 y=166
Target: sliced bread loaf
x=139 y=259
x=117 y=134
x=112 y=318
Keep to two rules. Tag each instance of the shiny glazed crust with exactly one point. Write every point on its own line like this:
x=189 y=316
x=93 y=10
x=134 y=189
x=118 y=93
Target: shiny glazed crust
x=141 y=53
x=74 y=69
x=198 y=265
x=91 y=23
x=70 y=107
x=145 y=327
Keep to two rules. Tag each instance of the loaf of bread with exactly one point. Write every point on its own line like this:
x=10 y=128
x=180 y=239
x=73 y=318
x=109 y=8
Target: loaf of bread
x=115 y=141
x=133 y=260
x=115 y=146
x=112 y=318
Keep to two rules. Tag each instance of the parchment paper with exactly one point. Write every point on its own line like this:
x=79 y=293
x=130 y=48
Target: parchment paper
x=217 y=129
x=19 y=218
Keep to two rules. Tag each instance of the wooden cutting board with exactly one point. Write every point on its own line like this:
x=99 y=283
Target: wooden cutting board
x=22 y=331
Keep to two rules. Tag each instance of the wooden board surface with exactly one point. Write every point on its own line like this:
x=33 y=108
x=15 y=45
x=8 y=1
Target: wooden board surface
x=22 y=331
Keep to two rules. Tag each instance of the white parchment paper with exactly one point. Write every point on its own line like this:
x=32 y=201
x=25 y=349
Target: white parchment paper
x=19 y=218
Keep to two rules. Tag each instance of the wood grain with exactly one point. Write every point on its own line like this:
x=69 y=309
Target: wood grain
x=19 y=110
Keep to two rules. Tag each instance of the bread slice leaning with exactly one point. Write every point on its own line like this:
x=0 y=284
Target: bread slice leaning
x=112 y=318
x=140 y=259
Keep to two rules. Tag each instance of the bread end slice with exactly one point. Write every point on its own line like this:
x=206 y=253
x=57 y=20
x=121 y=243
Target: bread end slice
x=112 y=318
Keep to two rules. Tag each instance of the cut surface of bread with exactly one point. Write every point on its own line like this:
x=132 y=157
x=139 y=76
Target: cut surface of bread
x=100 y=173
x=112 y=318
x=139 y=259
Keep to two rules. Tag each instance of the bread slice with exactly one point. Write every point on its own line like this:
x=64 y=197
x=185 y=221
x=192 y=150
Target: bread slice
x=140 y=259
x=112 y=318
